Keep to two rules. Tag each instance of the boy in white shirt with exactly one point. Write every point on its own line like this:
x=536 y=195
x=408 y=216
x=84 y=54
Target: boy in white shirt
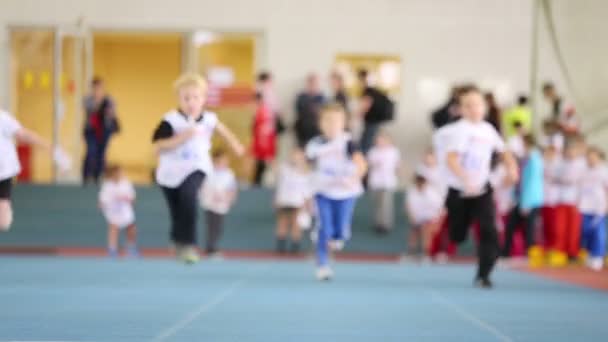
x=424 y=208
x=338 y=170
x=218 y=194
x=116 y=198
x=593 y=205
x=469 y=154
x=566 y=244
x=383 y=159
x=11 y=130
x=293 y=195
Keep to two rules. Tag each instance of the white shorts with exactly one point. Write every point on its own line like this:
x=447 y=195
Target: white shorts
x=122 y=221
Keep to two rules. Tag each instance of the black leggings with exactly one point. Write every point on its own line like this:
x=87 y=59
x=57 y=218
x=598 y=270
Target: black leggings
x=462 y=211
x=183 y=208
x=260 y=168
x=515 y=219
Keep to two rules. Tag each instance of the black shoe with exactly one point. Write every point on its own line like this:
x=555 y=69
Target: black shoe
x=483 y=283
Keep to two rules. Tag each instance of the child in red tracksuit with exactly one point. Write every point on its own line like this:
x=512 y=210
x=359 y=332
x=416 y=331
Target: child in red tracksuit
x=264 y=138
x=566 y=243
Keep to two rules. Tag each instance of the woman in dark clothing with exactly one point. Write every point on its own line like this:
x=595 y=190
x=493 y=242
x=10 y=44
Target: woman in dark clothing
x=308 y=105
x=100 y=125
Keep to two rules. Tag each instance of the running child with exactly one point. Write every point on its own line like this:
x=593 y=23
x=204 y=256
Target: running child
x=384 y=162
x=469 y=154
x=424 y=209
x=11 y=130
x=218 y=194
x=339 y=168
x=593 y=206
x=183 y=142
x=292 y=197
x=116 y=198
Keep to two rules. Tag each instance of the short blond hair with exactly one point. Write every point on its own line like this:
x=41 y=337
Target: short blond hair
x=190 y=80
x=332 y=108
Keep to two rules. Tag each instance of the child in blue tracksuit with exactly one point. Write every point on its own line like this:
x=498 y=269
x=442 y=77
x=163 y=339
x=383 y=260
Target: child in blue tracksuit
x=529 y=196
x=593 y=203
x=339 y=168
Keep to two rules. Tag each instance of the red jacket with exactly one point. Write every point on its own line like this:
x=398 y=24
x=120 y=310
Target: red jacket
x=264 y=134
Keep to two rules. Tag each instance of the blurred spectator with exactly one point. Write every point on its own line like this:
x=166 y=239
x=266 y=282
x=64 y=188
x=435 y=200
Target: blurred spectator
x=100 y=124
x=515 y=143
x=519 y=113
x=550 y=94
x=375 y=109
x=552 y=136
x=494 y=114
x=264 y=138
x=568 y=121
x=308 y=105
x=265 y=87
x=528 y=196
x=339 y=92
x=448 y=112
x=384 y=160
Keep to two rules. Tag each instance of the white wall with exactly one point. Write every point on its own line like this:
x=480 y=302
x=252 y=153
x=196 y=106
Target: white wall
x=487 y=41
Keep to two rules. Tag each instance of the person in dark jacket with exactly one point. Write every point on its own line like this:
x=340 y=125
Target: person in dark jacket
x=308 y=105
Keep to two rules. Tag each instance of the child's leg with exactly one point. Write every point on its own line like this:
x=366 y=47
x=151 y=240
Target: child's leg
x=214 y=231
x=343 y=218
x=597 y=241
x=113 y=240
x=6 y=214
x=586 y=231
x=325 y=216
x=561 y=226
x=132 y=240
x=413 y=240
x=187 y=209
x=574 y=233
x=282 y=228
x=512 y=223
x=388 y=213
x=296 y=232
x=427 y=232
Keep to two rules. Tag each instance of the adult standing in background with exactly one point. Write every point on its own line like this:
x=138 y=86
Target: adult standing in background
x=308 y=106
x=266 y=90
x=448 y=112
x=375 y=109
x=100 y=124
x=519 y=113
x=339 y=93
x=551 y=95
x=494 y=113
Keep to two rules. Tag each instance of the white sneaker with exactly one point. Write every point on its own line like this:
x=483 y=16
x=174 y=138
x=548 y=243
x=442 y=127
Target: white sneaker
x=426 y=260
x=442 y=258
x=336 y=245
x=324 y=273
x=596 y=264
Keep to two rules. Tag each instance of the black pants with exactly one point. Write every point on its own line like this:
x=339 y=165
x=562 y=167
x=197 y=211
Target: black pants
x=462 y=211
x=94 y=161
x=515 y=219
x=260 y=168
x=183 y=208
x=215 y=226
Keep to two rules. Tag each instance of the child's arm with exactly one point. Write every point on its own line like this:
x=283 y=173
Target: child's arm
x=360 y=164
x=29 y=137
x=230 y=138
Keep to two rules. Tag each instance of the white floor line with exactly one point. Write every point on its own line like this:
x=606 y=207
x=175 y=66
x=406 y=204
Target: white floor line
x=439 y=298
x=203 y=309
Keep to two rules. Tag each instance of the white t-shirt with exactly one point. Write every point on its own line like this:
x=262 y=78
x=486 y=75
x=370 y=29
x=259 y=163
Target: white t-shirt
x=569 y=176
x=551 y=187
x=294 y=187
x=441 y=139
x=593 y=191
x=217 y=191
x=335 y=173
x=383 y=167
x=423 y=205
x=503 y=193
x=175 y=165
x=116 y=202
x=9 y=162
x=475 y=142
x=516 y=146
